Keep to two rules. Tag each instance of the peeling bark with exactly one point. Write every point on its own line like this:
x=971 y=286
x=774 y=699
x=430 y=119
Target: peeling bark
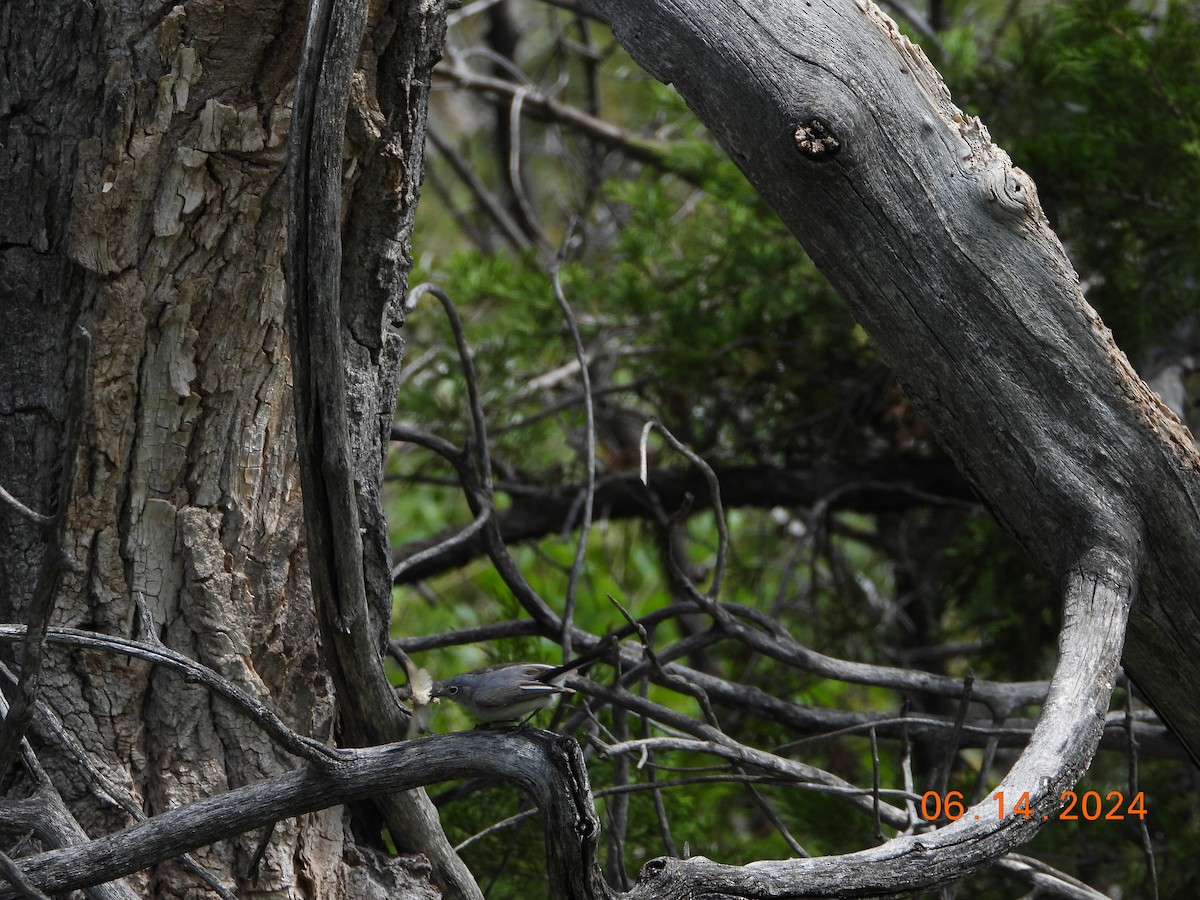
x=141 y=184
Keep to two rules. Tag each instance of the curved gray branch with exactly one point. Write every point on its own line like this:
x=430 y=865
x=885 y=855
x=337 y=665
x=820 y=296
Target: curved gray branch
x=547 y=767
x=1097 y=598
x=940 y=247
x=334 y=468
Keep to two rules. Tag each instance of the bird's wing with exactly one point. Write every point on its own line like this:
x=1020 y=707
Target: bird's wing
x=498 y=693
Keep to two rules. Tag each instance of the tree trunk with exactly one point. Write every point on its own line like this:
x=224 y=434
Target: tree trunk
x=142 y=185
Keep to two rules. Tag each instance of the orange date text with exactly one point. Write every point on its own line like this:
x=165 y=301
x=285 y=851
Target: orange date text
x=1088 y=806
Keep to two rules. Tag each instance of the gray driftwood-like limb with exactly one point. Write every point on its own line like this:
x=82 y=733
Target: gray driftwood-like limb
x=45 y=814
x=1096 y=599
x=940 y=247
x=59 y=827
x=344 y=558
x=10 y=871
x=548 y=767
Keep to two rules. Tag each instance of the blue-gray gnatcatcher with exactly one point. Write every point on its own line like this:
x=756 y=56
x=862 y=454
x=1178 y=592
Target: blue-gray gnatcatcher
x=507 y=692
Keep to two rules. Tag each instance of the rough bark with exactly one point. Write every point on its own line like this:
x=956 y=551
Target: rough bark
x=141 y=189
x=143 y=198
x=346 y=358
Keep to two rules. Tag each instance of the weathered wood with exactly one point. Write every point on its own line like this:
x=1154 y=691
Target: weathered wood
x=142 y=150
x=941 y=249
x=548 y=767
x=141 y=181
x=345 y=358
x=1097 y=598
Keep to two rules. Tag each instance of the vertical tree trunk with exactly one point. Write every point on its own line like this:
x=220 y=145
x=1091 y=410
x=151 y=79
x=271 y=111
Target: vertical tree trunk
x=142 y=189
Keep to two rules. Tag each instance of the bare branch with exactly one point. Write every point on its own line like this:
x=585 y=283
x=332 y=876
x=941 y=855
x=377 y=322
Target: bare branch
x=548 y=768
x=537 y=512
x=712 y=741
x=16 y=878
x=589 y=452
x=1096 y=601
x=444 y=546
x=486 y=198
x=353 y=624
x=33 y=516
x=635 y=147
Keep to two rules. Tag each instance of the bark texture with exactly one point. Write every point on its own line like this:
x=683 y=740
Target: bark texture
x=142 y=192
x=342 y=323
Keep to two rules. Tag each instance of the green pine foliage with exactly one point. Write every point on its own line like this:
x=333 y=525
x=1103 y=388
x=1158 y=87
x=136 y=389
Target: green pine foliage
x=1099 y=100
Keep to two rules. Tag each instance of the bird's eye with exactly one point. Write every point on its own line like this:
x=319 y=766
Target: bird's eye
x=452 y=690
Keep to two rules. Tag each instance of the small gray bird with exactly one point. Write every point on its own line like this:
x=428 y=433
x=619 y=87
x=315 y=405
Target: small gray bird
x=507 y=692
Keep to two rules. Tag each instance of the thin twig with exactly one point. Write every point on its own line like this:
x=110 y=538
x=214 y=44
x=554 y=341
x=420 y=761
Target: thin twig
x=656 y=788
x=516 y=182
x=989 y=760
x=710 y=740
x=33 y=516
x=106 y=790
x=642 y=149
x=617 y=809
x=906 y=766
x=16 y=878
x=488 y=200
x=477 y=485
x=875 y=784
x=478 y=421
x=670 y=679
x=714 y=488
x=589 y=494
x=942 y=778
x=453 y=541
x=472 y=9
x=773 y=817
x=1143 y=831
x=439 y=445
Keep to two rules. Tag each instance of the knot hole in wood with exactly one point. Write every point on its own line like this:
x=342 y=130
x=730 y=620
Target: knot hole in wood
x=816 y=140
